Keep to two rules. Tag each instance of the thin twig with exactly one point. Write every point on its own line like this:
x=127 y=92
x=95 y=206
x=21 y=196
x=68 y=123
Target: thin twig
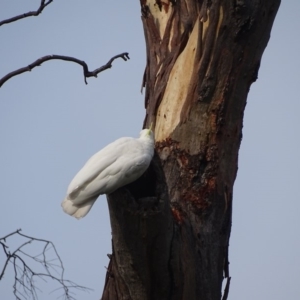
x=86 y=72
x=43 y=4
x=10 y=234
x=226 y=274
x=24 y=286
x=226 y=290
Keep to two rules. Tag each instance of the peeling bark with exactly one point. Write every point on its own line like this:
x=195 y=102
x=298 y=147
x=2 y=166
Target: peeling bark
x=202 y=57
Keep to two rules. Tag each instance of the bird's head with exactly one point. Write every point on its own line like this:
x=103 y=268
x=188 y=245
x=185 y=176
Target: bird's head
x=147 y=133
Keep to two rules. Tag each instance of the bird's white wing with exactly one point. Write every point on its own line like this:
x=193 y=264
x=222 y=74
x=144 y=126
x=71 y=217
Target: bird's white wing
x=84 y=185
x=133 y=165
x=106 y=182
x=116 y=165
x=126 y=169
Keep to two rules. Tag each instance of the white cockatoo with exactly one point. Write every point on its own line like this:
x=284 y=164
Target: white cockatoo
x=116 y=165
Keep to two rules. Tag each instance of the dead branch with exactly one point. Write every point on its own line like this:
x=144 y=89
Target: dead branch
x=226 y=290
x=86 y=72
x=24 y=286
x=43 y=4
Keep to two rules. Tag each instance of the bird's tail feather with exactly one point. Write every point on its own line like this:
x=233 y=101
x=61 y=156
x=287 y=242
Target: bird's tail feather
x=77 y=211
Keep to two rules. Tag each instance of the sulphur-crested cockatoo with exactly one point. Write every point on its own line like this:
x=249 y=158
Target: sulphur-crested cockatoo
x=116 y=165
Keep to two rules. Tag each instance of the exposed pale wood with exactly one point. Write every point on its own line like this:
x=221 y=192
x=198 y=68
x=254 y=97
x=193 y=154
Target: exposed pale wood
x=177 y=88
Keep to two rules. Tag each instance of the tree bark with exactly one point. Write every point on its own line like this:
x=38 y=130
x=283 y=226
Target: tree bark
x=171 y=228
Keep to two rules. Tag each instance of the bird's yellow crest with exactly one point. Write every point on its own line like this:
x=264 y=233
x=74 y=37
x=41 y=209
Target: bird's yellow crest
x=150 y=128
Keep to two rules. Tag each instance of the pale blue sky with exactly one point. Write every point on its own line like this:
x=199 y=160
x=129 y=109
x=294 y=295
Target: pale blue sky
x=51 y=123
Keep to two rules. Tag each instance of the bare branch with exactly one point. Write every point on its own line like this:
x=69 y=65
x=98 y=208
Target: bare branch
x=24 y=286
x=43 y=4
x=86 y=72
x=226 y=291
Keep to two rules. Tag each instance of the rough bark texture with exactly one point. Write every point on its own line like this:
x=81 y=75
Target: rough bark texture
x=171 y=228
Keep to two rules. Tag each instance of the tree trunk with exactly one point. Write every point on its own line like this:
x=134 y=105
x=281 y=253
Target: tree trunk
x=171 y=228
